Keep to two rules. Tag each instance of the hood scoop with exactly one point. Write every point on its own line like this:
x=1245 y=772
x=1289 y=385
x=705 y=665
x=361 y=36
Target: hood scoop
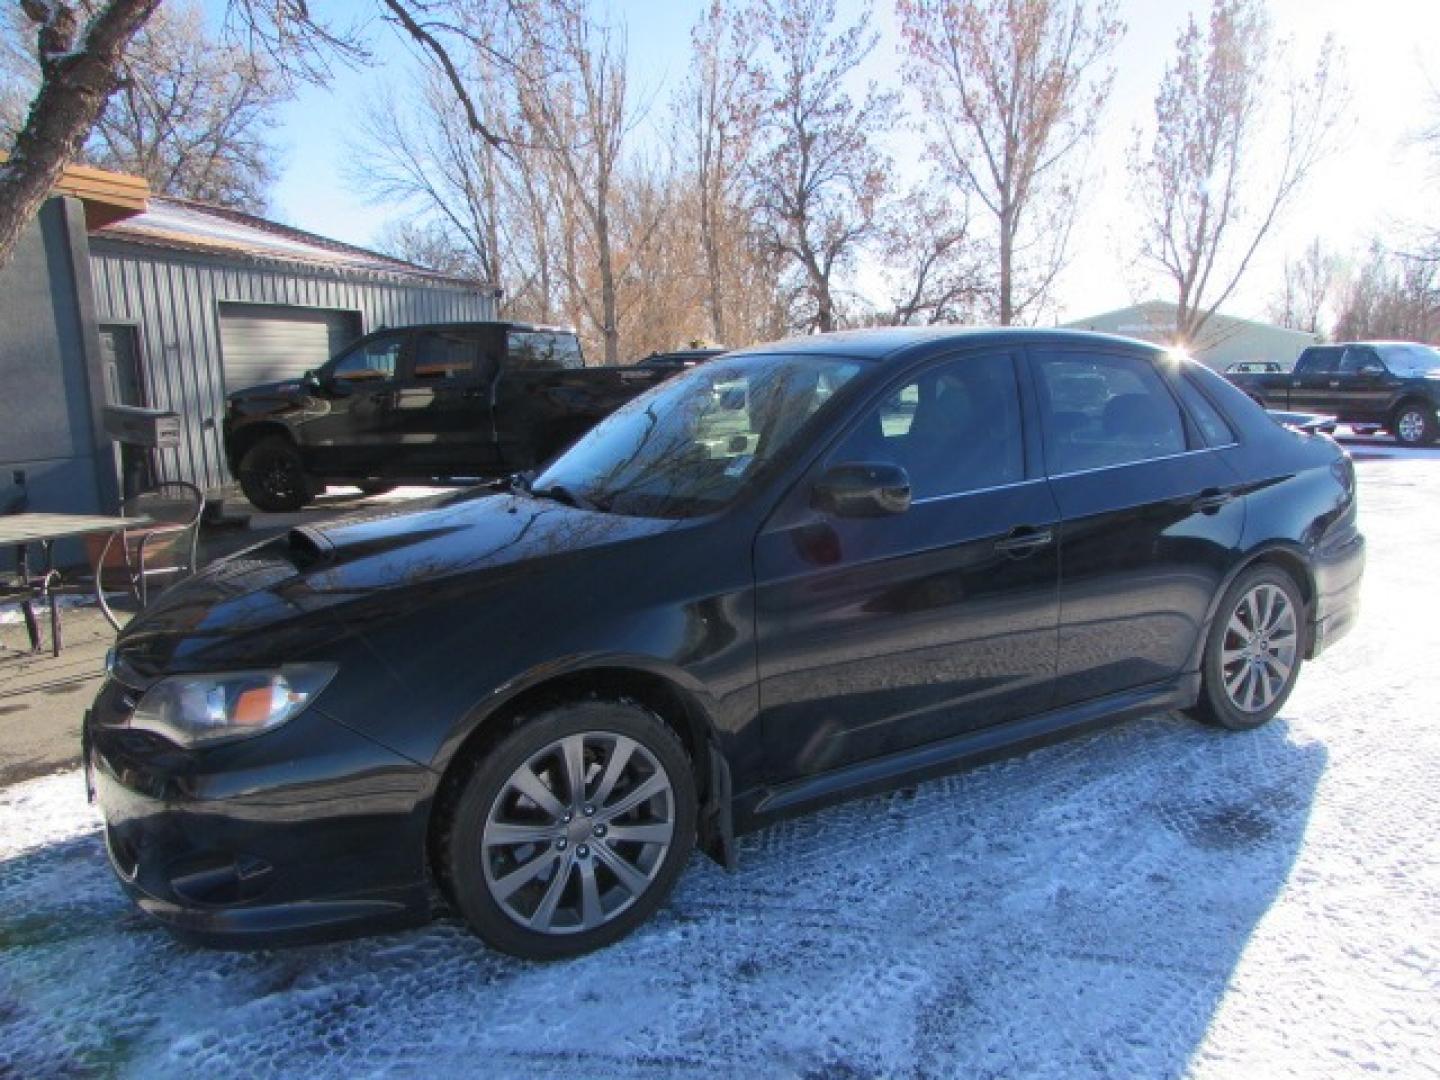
x=309 y=546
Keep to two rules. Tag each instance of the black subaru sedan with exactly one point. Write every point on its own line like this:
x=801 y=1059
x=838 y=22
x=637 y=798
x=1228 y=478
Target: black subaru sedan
x=794 y=574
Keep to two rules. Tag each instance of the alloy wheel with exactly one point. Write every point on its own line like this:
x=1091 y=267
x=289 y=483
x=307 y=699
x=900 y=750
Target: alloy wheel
x=578 y=832
x=1411 y=427
x=1260 y=647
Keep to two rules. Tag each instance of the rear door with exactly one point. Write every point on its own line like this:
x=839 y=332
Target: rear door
x=1150 y=518
x=442 y=403
x=1362 y=387
x=876 y=635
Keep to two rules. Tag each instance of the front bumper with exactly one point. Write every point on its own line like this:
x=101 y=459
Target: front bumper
x=308 y=832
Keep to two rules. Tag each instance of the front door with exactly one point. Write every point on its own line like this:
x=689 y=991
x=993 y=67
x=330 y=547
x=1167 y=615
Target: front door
x=1151 y=519
x=881 y=634
x=355 y=432
x=1310 y=389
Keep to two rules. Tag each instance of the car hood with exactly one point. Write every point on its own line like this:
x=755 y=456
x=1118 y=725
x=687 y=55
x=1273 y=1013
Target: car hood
x=297 y=596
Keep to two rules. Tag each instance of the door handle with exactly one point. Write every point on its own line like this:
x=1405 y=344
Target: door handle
x=1211 y=499
x=1024 y=540
x=1334 y=384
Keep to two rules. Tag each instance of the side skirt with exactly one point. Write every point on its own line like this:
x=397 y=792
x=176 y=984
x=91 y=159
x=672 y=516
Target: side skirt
x=759 y=806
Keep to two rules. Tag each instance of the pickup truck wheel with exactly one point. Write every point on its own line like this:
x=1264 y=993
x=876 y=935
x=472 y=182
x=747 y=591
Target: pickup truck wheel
x=1414 y=424
x=273 y=477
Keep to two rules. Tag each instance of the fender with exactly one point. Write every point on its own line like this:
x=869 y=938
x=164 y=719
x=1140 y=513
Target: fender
x=716 y=824
x=1292 y=552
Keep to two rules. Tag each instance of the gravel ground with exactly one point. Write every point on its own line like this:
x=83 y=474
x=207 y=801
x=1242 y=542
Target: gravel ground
x=1159 y=899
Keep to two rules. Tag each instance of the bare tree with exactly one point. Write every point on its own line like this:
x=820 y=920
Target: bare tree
x=1391 y=297
x=943 y=273
x=190 y=113
x=820 y=182
x=79 y=51
x=1013 y=89
x=1307 y=287
x=580 y=117
x=1220 y=169
x=716 y=118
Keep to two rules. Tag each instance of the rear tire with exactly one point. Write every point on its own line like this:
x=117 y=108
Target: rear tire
x=1254 y=650
x=273 y=476
x=536 y=862
x=1414 y=424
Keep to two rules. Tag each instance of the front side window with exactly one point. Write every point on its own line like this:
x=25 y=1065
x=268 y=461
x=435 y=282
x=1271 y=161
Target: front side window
x=693 y=444
x=1320 y=361
x=370 y=360
x=443 y=354
x=542 y=349
x=954 y=428
x=1100 y=411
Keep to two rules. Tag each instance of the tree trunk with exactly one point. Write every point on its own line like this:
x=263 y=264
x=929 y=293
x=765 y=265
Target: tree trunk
x=709 y=239
x=75 y=84
x=608 y=304
x=1007 y=262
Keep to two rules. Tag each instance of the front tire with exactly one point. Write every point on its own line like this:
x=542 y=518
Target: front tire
x=1254 y=650
x=1414 y=424
x=571 y=831
x=273 y=476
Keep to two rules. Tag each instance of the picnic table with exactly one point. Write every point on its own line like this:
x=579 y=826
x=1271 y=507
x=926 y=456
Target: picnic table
x=23 y=530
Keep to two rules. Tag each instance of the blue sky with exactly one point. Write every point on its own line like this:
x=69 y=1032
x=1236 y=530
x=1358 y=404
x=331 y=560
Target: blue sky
x=1376 y=183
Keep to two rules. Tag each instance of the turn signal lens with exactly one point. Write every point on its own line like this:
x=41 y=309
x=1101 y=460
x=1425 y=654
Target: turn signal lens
x=191 y=710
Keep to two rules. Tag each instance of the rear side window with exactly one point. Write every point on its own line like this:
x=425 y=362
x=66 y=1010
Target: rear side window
x=441 y=355
x=1099 y=411
x=1207 y=418
x=535 y=350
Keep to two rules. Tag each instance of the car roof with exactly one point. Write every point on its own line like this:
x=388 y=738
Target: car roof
x=465 y=324
x=893 y=342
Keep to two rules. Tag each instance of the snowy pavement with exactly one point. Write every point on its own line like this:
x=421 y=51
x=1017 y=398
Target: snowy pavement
x=1155 y=900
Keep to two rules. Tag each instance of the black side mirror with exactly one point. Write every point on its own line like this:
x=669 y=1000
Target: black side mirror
x=863 y=489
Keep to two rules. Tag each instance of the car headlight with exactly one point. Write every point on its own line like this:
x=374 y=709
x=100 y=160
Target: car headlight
x=195 y=709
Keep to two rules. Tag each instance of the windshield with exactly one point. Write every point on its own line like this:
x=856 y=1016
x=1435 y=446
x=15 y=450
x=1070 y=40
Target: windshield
x=691 y=445
x=1412 y=360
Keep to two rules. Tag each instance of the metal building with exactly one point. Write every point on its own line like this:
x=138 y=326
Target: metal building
x=118 y=297
x=1224 y=340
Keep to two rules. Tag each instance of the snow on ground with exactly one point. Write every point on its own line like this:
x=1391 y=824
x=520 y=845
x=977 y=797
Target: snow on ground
x=1154 y=900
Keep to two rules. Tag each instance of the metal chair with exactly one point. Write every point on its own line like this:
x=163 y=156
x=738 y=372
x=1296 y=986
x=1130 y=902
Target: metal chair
x=166 y=512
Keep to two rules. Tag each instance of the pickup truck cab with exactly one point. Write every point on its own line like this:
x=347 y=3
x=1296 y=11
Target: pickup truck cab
x=421 y=403
x=1394 y=385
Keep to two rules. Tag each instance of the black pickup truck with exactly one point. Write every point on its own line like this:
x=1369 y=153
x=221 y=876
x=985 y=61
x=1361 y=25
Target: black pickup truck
x=418 y=403
x=1393 y=385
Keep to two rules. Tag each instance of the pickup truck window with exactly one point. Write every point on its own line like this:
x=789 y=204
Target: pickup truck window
x=1356 y=360
x=441 y=355
x=370 y=361
x=534 y=350
x=1412 y=361
x=1319 y=361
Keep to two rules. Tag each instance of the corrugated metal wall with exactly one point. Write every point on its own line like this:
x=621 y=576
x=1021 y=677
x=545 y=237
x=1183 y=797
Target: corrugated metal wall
x=174 y=300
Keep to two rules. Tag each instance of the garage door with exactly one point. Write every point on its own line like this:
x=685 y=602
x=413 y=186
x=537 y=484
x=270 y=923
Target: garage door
x=265 y=342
